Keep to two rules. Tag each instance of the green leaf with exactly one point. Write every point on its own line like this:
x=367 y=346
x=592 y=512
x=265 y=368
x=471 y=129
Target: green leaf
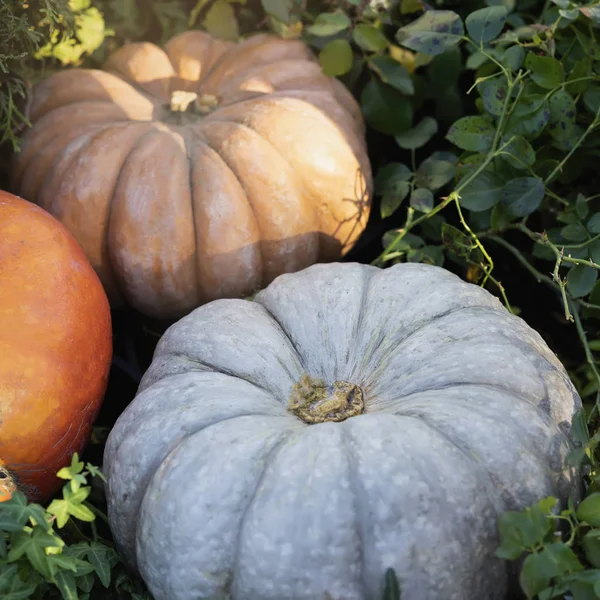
x=523 y=195
x=593 y=224
x=336 y=58
x=419 y=135
x=422 y=200
x=546 y=71
x=279 y=9
x=393 y=73
x=329 y=24
x=99 y=556
x=482 y=193
x=433 y=33
x=433 y=173
x=513 y=58
x=562 y=114
x=591 y=547
x=563 y=558
x=536 y=573
x=369 y=38
x=456 y=241
x=220 y=21
x=385 y=108
x=65 y=582
x=392 y=183
x=519 y=152
x=591 y=99
x=475 y=134
x=529 y=124
x=589 y=508
x=485 y=24
x=391 y=588
x=16 y=588
x=574 y=232
x=493 y=93
x=580 y=281
x=14 y=513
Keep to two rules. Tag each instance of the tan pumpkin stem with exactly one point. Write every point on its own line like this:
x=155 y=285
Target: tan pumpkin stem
x=313 y=401
x=182 y=101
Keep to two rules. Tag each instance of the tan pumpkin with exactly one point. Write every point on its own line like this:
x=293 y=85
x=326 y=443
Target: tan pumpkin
x=200 y=171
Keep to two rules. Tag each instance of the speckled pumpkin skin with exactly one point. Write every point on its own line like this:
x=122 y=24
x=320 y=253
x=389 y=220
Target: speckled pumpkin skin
x=55 y=347
x=214 y=486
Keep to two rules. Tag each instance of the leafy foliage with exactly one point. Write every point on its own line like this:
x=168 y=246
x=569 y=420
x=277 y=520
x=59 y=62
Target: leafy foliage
x=64 y=31
x=38 y=562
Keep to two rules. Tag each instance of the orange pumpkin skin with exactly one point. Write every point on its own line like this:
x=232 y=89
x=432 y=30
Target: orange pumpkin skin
x=266 y=173
x=55 y=348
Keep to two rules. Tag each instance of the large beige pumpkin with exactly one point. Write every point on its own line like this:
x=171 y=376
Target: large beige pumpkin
x=200 y=171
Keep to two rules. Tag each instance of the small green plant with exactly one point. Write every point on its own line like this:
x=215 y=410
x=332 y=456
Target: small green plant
x=57 y=552
x=561 y=548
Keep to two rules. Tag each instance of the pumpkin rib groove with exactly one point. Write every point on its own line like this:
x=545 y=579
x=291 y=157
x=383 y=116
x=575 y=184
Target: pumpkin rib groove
x=109 y=275
x=216 y=156
x=521 y=397
x=109 y=225
x=61 y=140
x=304 y=193
x=206 y=142
x=470 y=458
x=285 y=333
x=185 y=134
x=353 y=479
x=285 y=437
x=208 y=367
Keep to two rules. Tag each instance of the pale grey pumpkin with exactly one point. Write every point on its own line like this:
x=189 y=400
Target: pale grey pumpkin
x=456 y=411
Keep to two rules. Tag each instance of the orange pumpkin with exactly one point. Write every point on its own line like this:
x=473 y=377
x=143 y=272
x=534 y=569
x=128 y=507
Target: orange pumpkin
x=55 y=348
x=200 y=171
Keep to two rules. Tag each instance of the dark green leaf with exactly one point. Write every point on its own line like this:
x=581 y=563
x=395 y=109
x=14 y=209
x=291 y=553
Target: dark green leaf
x=385 y=108
x=432 y=33
x=279 y=9
x=392 y=73
x=562 y=115
x=574 y=232
x=513 y=58
x=500 y=217
x=580 y=281
x=530 y=124
x=65 y=582
x=419 y=135
x=591 y=99
x=546 y=71
x=593 y=224
x=391 y=589
x=482 y=193
x=591 y=547
x=329 y=24
x=493 y=93
x=581 y=206
x=536 y=573
x=391 y=201
x=519 y=152
x=336 y=58
x=422 y=200
x=456 y=241
x=475 y=134
x=589 y=508
x=369 y=38
x=485 y=24
x=99 y=557
x=433 y=173
x=14 y=513
x=523 y=195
